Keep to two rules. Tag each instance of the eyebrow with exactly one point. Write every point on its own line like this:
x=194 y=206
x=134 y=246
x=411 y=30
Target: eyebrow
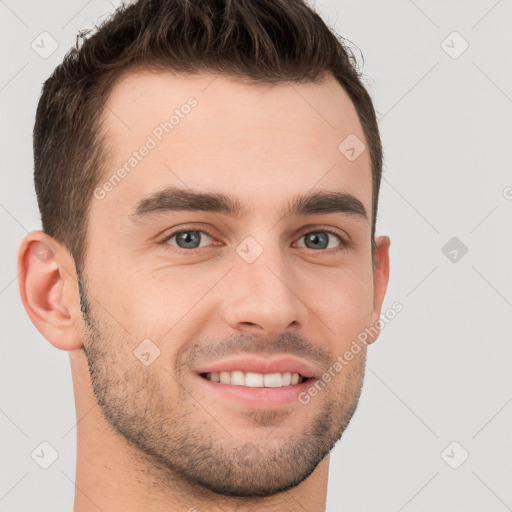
x=178 y=199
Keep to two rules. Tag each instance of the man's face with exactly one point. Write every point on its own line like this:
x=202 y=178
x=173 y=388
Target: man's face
x=262 y=290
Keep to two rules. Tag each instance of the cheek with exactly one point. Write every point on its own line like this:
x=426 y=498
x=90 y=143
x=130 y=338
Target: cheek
x=156 y=303
x=344 y=303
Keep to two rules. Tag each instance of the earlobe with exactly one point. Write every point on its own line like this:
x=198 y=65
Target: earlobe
x=48 y=289
x=380 y=283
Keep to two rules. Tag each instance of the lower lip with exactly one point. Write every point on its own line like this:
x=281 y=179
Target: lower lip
x=258 y=398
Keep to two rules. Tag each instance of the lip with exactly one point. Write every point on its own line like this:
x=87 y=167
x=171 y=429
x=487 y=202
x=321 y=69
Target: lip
x=259 y=365
x=256 y=398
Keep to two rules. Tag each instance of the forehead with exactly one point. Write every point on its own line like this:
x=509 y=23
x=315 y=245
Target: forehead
x=264 y=143
x=141 y=100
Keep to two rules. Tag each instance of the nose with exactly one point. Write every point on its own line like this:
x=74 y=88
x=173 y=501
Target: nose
x=264 y=298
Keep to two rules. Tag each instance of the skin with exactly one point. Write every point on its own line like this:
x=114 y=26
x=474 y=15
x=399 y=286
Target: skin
x=154 y=437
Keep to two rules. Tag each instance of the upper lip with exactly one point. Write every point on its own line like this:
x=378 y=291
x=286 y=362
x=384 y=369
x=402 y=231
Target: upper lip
x=257 y=364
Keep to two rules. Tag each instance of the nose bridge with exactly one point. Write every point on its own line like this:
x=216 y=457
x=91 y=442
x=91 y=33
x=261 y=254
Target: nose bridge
x=263 y=296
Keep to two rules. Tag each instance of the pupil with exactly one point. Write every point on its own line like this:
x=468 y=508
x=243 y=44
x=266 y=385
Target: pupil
x=189 y=237
x=315 y=238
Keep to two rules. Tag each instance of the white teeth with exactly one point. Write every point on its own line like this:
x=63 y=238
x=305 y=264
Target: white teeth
x=272 y=380
x=237 y=378
x=255 y=380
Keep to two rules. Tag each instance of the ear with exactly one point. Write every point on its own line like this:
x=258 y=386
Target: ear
x=380 y=284
x=49 y=289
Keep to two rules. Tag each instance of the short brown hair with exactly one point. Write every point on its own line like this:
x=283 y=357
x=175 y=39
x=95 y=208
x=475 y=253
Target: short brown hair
x=265 y=41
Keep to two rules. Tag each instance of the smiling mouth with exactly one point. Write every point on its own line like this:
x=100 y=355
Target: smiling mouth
x=255 y=380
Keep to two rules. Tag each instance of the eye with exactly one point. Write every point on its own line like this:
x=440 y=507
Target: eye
x=187 y=239
x=320 y=239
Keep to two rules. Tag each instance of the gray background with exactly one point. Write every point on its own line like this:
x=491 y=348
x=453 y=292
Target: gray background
x=441 y=370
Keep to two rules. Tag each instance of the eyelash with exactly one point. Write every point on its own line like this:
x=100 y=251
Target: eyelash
x=343 y=243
